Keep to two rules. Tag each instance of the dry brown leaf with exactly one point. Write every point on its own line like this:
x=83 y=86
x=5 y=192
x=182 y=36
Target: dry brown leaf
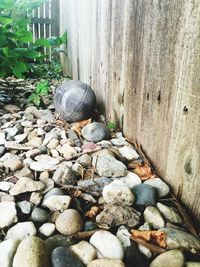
x=79 y=125
x=155 y=237
x=92 y=213
x=142 y=170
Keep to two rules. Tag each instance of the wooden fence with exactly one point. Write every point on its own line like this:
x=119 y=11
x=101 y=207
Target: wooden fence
x=142 y=58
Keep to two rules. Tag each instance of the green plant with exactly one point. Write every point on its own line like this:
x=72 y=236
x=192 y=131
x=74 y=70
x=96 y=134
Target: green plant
x=41 y=89
x=111 y=126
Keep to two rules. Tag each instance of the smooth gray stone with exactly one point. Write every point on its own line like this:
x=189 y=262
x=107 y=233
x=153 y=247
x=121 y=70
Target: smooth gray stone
x=95 y=132
x=172 y=258
x=60 y=241
x=54 y=192
x=39 y=215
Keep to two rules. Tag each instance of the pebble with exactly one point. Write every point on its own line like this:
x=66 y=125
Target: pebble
x=69 y=222
x=85 y=160
x=21 y=231
x=47 y=159
x=84 y=251
x=39 y=215
x=42 y=166
x=118 y=215
x=117 y=193
x=47 y=229
x=24 y=185
x=107 y=245
x=95 y=132
x=35 y=141
x=5 y=186
x=192 y=264
x=13 y=164
x=24 y=172
x=145 y=196
x=153 y=217
x=54 y=203
x=128 y=153
x=169 y=213
x=59 y=240
x=54 y=192
x=36 y=198
x=61 y=257
x=6 y=197
x=8 y=214
x=144 y=250
x=25 y=206
x=12 y=131
x=53 y=143
x=124 y=236
x=64 y=175
x=177 y=239
x=161 y=187
x=89 y=226
x=2 y=150
x=2 y=138
x=108 y=166
x=106 y=263
x=32 y=251
x=7 y=252
x=71 y=134
x=172 y=258
x=67 y=151
x=131 y=179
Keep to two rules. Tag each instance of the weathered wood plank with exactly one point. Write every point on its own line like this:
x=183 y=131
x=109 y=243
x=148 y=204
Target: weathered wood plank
x=142 y=58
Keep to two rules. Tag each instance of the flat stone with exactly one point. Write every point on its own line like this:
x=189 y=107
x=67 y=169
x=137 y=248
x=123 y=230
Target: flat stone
x=84 y=251
x=12 y=131
x=85 y=160
x=12 y=108
x=102 y=152
x=36 y=198
x=131 y=179
x=59 y=241
x=117 y=193
x=161 y=187
x=108 y=166
x=21 y=231
x=107 y=245
x=192 y=264
x=106 y=263
x=172 y=258
x=69 y=222
x=8 y=214
x=177 y=239
x=13 y=164
x=54 y=192
x=94 y=185
x=169 y=213
x=47 y=229
x=6 y=197
x=35 y=141
x=42 y=166
x=24 y=172
x=7 y=252
x=153 y=217
x=6 y=186
x=64 y=175
x=24 y=185
x=95 y=132
x=128 y=153
x=118 y=215
x=9 y=156
x=61 y=257
x=32 y=251
x=55 y=203
x=39 y=215
x=47 y=159
x=67 y=151
x=25 y=206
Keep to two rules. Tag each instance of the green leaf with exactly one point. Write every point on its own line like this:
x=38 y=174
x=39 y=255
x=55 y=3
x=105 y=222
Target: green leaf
x=34 y=98
x=54 y=40
x=63 y=38
x=42 y=88
x=18 y=69
x=22 y=22
x=31 y=54
x=5 y=20
x=24 y=36
x=6 y=4
x=111 y=125
x=42 y=42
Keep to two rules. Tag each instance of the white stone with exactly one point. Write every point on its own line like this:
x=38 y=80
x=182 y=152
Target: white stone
x=153 y=217
x=107 y=245
x=6 y=186
x=145 y=251
x=13 y=164
x=131 y=179
x=161 y=187
x=53 y=143
x=20 y=137
x=47 y=229
x=124 y=236
x=67 y=151
x=12 y=131
x=8 y=156
x=7 y=252
x=46 y=159
x=2 y=138
x=117 y=193
x=169 y=213
x=106 y=263
x=8 y=214
x=42 y=166
x=128 y=153
x=21 y=230
x=85 y=251
x=54 y=203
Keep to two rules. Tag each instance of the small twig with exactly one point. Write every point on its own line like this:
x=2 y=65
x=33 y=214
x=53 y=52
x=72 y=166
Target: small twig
x=152 y=247
x=84 y=235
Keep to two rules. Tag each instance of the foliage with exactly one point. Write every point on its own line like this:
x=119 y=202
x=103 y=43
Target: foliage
x=17 y=50
x=111 y=126
x=41 y=89
x=48 y=70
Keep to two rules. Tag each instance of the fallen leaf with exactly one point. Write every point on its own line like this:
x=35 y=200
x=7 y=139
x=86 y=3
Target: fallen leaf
x=92 y=213
x=79 y=125
x=143 y=170
x=155 y=237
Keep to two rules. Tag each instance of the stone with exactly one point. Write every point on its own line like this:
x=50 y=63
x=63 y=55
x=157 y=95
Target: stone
x=78 y=168
x=177 y=239
x=24 y=185
x=153 y=217
x=108 y=166
x=172 y=258
x=117 y=193
x=95 y=132
x=55 y=203
x=12 y=131
x=49 y=184
x=24 y=172
x=2 y=150
x=53 y=143
x=7 y=252
x=96 y=185
x=169 y=213
x=2 y=138
x=47 y=159
x=85 y=160
x=11 y=108
x=47 y=229
x=25 y=206
x=192 y=264
x=161 y=187
x=124 y=236
x=89 y=226
x=54 y=192
x=59 y=241
x=72 y=135
x=105 y=144
x=9 y=156
x=144 y=250
x=6 y=197
x=32 y=153
x=36 y=198
x=128 y=153
x=21 y=231
x=61 y=257
x=35 y=141
x=67 y=151
x=84 y=251
x=13 y=164
x=8 y=214
x=69 y=222
x=145 y=196
x=97 y=154
x=6 y=186
x=107 y=245
x=39 y=215
x=119 y=141
x=64 y=175
x=118 y=215
x=106 y=263
x=32 y=251
x=42 y=166
x=131 y=179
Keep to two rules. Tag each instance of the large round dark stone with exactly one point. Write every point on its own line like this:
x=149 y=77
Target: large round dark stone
x=74 y=101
